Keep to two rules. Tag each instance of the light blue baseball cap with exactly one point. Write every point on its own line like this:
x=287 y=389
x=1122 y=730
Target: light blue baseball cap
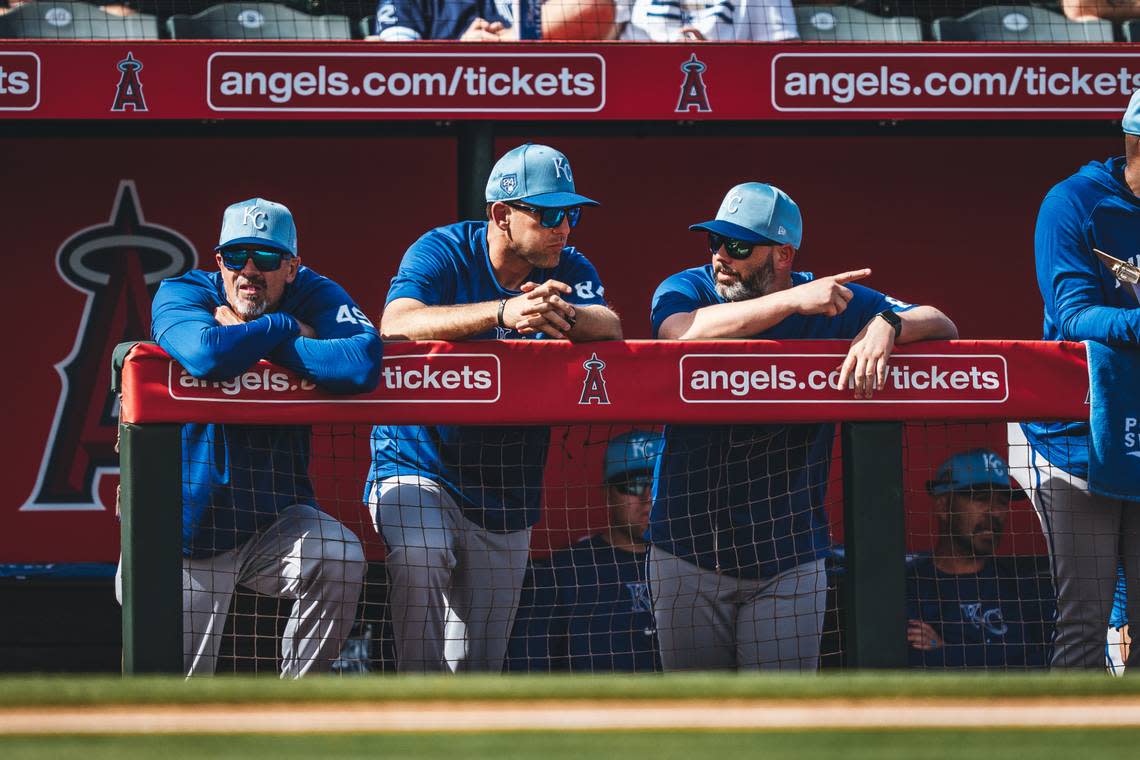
x=974 y=470
x=635 y=452
x=757 y=213
x=259 y=222
x=536 y=174
x=1131 y=121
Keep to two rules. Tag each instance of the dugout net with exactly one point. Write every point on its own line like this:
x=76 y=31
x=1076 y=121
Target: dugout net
x=795 y=525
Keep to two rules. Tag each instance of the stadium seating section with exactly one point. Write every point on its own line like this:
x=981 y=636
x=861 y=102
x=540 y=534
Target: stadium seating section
x=856 y=21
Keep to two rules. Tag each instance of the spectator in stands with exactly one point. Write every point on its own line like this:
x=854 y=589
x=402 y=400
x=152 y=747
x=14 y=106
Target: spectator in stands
x=489 y=20
x=1089 y=531
x=455 y=505
x=713 y=20
x=587 y=608
x=738 y=527
x=1112 y=10
x=249 y=515
x=966 y=607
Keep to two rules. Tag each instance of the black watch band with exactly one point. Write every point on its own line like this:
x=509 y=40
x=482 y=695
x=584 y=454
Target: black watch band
x=893 y=320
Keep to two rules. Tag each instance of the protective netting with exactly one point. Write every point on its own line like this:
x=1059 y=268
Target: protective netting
x=581 y=20
x=746 y=567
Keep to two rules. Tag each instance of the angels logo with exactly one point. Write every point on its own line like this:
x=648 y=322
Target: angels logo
x=129 y=93
x=693 y=92
x=119 y=266
x=594 y=386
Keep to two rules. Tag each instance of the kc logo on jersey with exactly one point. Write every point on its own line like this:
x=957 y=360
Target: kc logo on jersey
x=594 y=386
x=118 y=265
x=693 y=92
x=129 y=93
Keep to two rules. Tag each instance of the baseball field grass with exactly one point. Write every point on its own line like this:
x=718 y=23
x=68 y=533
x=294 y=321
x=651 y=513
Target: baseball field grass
x=854 y=715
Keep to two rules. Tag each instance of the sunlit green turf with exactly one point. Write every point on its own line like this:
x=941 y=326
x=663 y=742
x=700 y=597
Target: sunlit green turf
x=689 y=745
x=74 y=690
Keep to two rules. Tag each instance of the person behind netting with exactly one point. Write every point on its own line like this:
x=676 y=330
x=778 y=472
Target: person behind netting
x=713 y=20
x=249 y=515
x=455 y=504
x=967 y=608
x=587 y=608
x=738 y=527
x=488 y=20
x=1086 y=499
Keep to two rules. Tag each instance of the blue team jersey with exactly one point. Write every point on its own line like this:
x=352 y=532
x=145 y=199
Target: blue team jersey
x=407 y=20
x=585 y=610
x=493 y=473
x=1094 y=208
x=747 y=500
x=996 y=618
x=237 y=478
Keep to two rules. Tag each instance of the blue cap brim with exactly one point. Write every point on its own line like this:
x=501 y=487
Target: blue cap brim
x=260 y=242
x=734 y=231
x=939 y=487
x=558 y=200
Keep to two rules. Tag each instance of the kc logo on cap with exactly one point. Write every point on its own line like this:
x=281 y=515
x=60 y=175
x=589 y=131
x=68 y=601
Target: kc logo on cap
x=259 y=222
x=254 y=217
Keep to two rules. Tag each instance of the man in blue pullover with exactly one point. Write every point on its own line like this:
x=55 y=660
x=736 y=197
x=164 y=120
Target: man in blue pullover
x=738 y=527
x=1088 y=534
x=587 y=608
x=249 y=515
x=456 y=504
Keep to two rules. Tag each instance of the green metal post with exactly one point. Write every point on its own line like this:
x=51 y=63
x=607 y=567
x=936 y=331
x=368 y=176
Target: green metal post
x=875 y=599
x=150 y=458
x=475 y=157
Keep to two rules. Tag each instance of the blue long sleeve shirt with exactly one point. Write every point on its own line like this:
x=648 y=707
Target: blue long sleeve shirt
x=237 y=478
x=1093 y=208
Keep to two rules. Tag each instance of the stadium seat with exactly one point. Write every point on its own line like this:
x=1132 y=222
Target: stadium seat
x=66 y=20
x=1019 y=23
x=1132 y=30
x=366 y=26
x=837 y=23
x=257 y=21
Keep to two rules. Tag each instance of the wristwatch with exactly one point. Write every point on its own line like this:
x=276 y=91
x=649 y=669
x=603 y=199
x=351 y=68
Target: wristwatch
x=893 y=320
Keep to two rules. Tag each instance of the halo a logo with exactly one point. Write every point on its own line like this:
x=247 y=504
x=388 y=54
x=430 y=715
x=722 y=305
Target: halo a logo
x=129 y=93
x=118 y=265
x=594 y=386
x=693 y=91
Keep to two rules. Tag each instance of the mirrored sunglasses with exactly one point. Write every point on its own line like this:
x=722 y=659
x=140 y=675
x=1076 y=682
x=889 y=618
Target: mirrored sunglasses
x=265 y=261
x=736 y=249
x=552 y=217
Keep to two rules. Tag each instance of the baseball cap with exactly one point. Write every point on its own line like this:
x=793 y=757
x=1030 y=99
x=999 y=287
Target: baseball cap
x=632 y=452
x=536 y=174
x=259 y=222
x=757 y=213
x=1131 y=121
x=974 y=470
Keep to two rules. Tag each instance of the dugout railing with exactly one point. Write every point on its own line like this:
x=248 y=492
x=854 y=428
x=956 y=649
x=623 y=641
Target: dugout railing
x=646 y=382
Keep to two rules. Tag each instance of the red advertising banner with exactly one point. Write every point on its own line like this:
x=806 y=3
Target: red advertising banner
x=708 y=81
x=650 y=382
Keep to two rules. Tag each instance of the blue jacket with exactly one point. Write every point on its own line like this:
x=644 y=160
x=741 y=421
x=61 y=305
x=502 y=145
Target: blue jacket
x=237 y=478
x=747 y=500
x=996 y=618
x=406 y=20
x=1094 y=208
x=493 y=473
x=586 y=610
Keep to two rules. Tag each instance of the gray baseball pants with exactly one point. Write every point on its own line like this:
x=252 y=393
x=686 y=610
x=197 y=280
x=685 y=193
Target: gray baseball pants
x=711 y=621
x=1088 y=536
x=305 y=555
x=454 y=587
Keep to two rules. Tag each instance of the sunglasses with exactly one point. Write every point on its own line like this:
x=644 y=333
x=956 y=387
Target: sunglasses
x=736 y=249
x=636 y=487
x=265 y=261
x=552 y=217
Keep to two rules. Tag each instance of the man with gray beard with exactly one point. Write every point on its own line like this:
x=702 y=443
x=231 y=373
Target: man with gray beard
x=738 y=527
